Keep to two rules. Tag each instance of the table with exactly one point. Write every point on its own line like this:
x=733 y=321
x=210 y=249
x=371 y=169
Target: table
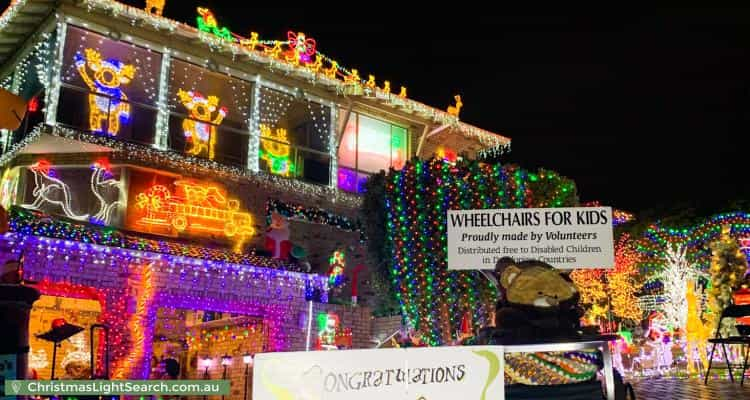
x=595 y=342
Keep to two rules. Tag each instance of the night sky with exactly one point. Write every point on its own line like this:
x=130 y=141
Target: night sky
x=640 y=110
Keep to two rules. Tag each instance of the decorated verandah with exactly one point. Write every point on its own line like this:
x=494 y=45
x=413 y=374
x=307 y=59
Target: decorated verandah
x=156 y=304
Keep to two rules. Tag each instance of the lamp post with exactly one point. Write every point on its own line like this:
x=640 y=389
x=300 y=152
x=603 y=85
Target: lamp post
x=226 y=361
x=205 y=362
x=247 y=359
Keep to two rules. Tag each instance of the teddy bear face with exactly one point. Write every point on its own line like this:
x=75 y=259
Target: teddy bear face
x=110 y=74
x=538 y=285
x=200 y=107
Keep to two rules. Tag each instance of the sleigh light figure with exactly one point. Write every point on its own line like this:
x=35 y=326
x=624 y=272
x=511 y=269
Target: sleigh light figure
x=301 y=48
x=200 y=126
x=194 y=208
x=107 y=101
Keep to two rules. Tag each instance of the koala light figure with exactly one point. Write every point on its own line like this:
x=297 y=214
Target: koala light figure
x=107 y=102
x=200 y=126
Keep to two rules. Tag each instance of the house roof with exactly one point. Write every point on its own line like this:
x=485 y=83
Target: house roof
x=22 y=18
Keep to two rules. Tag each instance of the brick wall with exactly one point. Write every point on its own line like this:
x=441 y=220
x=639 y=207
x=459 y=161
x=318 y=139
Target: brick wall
x=319 y=240
x=384 y=327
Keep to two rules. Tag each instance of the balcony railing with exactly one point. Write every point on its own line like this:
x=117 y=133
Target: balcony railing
x=124 y=120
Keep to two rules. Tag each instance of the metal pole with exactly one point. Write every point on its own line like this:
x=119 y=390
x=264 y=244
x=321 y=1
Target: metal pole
x=54 y=360
x=247 y=374
x=205 y=376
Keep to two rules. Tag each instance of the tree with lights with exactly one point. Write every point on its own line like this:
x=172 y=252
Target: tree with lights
x=611 y=293
x=728 y=267
x=675 y=276
x=623 y=282
x=591 y=287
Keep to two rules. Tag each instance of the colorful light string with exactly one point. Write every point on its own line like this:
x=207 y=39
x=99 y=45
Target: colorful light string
x=314 y=215
x=416 y=201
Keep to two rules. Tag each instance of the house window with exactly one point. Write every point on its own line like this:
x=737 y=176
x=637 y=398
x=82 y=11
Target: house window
x=295 y=136
x=367 y=146
x=109 y=87
x=209 y=114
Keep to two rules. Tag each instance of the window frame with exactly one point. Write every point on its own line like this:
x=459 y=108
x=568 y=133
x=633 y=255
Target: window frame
x=296 y=149
x=231 y=74
x=354 y=115
x=126 y=40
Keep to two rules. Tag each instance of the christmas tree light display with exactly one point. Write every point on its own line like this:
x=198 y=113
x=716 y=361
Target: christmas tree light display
x=417 y=199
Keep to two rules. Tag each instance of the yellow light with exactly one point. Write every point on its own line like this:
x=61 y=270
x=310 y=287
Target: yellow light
x=250 y=44
x=155 y=7
x=276 y=150
x=198 y=208
x=387 y=87
x=107 y=101
x=331 y=71
x=456 y=109
x=353 y=77
x=200 y=127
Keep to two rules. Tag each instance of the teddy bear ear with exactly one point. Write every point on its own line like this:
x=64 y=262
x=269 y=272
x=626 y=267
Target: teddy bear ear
x=510 y=273
x=500 y=267
x=503 y=263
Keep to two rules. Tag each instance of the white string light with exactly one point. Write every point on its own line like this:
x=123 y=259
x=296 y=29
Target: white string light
x=102 y=178
x=53 y=91
x=51 y=190
x=161 y=138
x=253 y=142
x=677 y=272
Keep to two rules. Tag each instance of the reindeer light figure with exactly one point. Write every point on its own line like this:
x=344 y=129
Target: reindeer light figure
x=155 y=7
x=50 y=190
x=456 y=109
x=107 y=102
x=200 y=126
x=696 y=332
x=102 y=178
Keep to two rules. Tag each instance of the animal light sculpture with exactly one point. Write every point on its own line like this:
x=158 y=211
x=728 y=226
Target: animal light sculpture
x=200 y=126
x=107 y=100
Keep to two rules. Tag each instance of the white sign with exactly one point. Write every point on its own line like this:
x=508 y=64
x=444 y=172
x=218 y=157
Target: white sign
x=376 y=374
x=565 y=238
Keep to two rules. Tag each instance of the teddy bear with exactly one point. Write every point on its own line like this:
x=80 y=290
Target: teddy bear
x=107 y=101
x=200 y=127
x=537 y=303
